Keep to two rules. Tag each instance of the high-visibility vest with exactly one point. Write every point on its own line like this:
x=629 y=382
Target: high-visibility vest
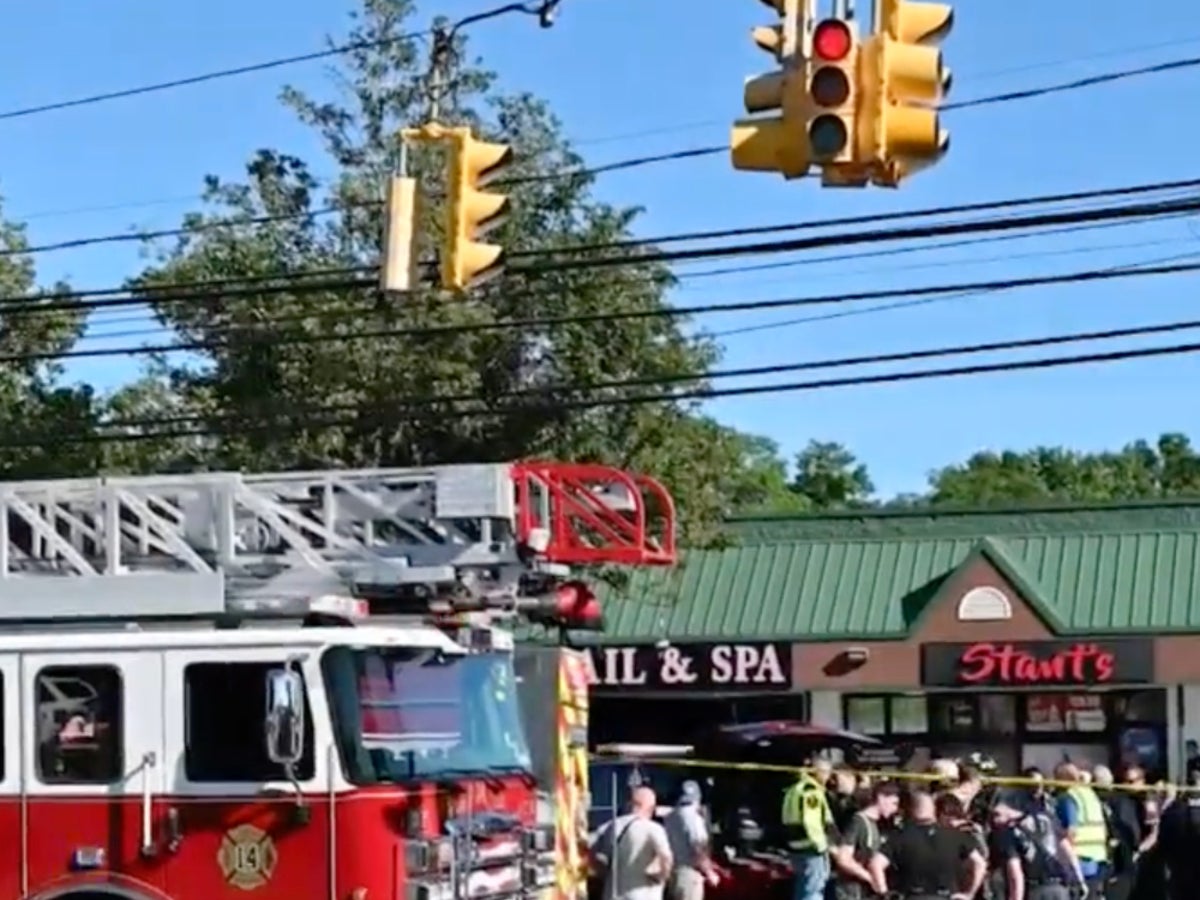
x=1090 y=831
x=806 y=807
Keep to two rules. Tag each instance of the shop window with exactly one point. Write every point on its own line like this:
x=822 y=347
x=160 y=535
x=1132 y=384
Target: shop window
x=867 y=715
x=223 y=725
x=79 y=713
x=1140 y=706
x=953 y=715
x=997 y=714
x=909 y=714
x=1078 y=713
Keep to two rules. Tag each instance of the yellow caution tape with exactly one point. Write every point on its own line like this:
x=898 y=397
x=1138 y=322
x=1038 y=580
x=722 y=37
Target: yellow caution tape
x=879 y=774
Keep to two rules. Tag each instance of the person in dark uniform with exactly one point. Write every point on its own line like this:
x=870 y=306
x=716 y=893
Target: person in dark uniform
x=842 y=790
x=952 y=811
x=926 y=860
x=859 y=842
x=1025 y=851
x=1179 y=842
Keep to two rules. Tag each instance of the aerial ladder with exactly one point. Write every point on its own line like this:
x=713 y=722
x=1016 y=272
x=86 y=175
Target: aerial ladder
x=456 y=538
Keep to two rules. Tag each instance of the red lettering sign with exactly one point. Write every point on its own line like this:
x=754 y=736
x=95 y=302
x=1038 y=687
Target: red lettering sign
x=1010 y=664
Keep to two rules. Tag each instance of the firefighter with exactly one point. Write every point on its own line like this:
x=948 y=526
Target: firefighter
x=1081 y=814
x=808 y=822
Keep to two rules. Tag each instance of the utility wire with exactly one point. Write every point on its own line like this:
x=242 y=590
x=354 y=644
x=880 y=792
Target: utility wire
x=323 y=315
x=16 y=306
x=234 y=338
x=1111 y=213
x=539 y=9
x=362 y=415
x=661 y=240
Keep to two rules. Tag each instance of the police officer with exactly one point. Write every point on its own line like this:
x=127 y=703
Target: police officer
x=808 y=823
x=1081 y=815
x=1025 y=849
x=925 y=860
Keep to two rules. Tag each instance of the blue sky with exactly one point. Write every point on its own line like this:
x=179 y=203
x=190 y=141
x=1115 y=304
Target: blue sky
x=641 y=77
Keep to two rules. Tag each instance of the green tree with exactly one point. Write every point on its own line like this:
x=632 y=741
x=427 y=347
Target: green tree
x=1139 y=471
x=276 y=355
x=46 y=425
x=828 y=476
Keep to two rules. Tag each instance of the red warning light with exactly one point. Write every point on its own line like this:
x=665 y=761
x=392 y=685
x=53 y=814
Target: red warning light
x=831 y=40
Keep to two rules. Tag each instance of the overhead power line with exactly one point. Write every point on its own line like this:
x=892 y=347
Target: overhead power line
x=352 y=415
x=277 y=63
x=1103 y=214
x=373 y=306
x=297 y=284
x=233 y=338
x=661 y=240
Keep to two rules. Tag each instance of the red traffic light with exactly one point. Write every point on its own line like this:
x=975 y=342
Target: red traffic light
x=831 y=40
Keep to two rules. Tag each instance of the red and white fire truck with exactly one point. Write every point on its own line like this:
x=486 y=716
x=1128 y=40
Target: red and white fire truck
x=290 y=686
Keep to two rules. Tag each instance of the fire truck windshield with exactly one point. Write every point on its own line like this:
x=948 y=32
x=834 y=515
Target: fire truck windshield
x=404 y=714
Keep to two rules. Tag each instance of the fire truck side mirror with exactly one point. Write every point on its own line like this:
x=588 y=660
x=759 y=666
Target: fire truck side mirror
x=284 y=722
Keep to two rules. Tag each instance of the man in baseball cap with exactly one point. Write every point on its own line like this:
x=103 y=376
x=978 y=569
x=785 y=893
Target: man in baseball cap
x=687 y=833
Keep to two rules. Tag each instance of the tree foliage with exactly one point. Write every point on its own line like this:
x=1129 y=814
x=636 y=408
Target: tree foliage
x=1138 y=471
x=36 y=327
x=287 y=380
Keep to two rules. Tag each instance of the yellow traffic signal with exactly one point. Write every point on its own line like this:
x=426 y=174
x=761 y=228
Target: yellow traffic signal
x=774 y=143
x=398 y=269
x=832 y=97
x=471 y=211
x=903 y=78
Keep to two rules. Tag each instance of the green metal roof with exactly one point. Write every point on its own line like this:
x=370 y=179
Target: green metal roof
x=1139 y=581
x=951 y=522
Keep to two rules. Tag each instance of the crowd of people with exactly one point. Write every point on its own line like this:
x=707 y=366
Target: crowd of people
x=951 y=834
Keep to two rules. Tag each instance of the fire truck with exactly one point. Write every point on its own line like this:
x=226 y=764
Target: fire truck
x=292 y=686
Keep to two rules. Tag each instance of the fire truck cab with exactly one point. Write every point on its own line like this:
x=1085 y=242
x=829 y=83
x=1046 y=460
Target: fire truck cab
x=290 y=685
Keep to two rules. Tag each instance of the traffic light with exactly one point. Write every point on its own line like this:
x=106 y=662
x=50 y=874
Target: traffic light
x=773 y=143
x=832 y=125
x=398 y=269
x=471 y=211
x=903 y=79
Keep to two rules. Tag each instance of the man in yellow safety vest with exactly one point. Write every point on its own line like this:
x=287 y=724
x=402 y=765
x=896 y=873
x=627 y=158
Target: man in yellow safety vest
x=808 y=821
x=1081 y=815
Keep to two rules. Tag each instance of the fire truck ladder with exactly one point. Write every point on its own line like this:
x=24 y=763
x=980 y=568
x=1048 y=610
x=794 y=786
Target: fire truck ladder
x=213 y=543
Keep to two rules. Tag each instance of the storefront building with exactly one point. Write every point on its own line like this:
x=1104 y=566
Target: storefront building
x=1033 y=635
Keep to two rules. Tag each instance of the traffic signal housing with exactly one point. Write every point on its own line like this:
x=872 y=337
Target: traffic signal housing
x=904 y=78
x=774 y=143
x=472 y=212
x=398 y=269
x=832 y=103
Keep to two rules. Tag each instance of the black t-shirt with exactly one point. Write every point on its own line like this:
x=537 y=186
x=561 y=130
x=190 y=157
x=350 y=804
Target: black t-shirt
x=862 y=836
x=1003 y=847
x=927 y=858
x=1178 y=838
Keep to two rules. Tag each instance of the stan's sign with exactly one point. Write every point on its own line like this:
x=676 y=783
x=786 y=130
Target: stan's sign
x=696 y=667
x=1038 y=663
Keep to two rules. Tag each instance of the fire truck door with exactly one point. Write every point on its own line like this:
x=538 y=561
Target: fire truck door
x=242 y=825
x=92 y=766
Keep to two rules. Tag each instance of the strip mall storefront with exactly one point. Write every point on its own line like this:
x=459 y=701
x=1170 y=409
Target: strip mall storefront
x=1027 y=703
x=986 y=670
x=1034 y=635
x=668 y=693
